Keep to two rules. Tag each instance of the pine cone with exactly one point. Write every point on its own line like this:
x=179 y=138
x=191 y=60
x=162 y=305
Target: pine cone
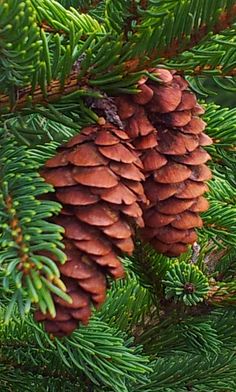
x=97 y=179
x=164 y=125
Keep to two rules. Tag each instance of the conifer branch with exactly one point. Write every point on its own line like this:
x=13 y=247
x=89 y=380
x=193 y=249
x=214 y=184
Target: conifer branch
x=207 y=70
x=225 y=20
x=98 y=354
x=25 y=263
x=25 y=95
x=26 y=272
x=163 y=44
x=85 y=8
x=121 y=305
x=222 y=293
x=50 y=91
x=37 y=370
x=217 y=225
x=188 y=371
x=54 y=58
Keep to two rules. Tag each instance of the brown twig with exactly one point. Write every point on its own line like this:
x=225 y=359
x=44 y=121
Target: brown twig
x=204 y=71
x=177 y=46
x=49 y=29
x=90 y=6
x=17 y=233
x=55 y=91
x=134 y=16
x=225 y=20
x=222 y=293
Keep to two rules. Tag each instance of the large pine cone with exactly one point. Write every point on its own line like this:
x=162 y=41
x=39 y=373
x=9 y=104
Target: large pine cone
x=97 y=178
x=164 y=125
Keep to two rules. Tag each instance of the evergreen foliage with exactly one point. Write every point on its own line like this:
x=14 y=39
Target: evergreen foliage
x=170 y=324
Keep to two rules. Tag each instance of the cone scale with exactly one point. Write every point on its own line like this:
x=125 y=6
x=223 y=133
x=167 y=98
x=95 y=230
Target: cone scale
x=164 y=124
x=97 y=178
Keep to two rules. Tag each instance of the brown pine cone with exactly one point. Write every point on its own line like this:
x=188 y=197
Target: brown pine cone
x=97 y=179
x=164 y=125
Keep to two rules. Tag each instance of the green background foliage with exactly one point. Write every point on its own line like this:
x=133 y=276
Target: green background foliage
x=146 y=337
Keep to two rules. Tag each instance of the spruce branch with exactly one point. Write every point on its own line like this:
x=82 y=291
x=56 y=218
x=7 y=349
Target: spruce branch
x=20 y=46
x=219 y=220
x=86 y=6
x=54 y=93
x=121 y=305
x=98 y=354
x=194 y=351
x=206 y=71
x=225 y=265
x=37 y=130
x=151 y=269
x=39 y=373
x=59 y=18
x=192 y=23
x=222 y=293
x=26 y=274
x=188 y=372
x=101 y=51
x=224 y=21
x=193 y=348
x=186 y=333
x=208 y=82
x=215 y=58
x=185 y=283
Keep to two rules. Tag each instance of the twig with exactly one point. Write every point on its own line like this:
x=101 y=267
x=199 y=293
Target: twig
x=88 y=7
x=55 y=91
x=225 y=20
